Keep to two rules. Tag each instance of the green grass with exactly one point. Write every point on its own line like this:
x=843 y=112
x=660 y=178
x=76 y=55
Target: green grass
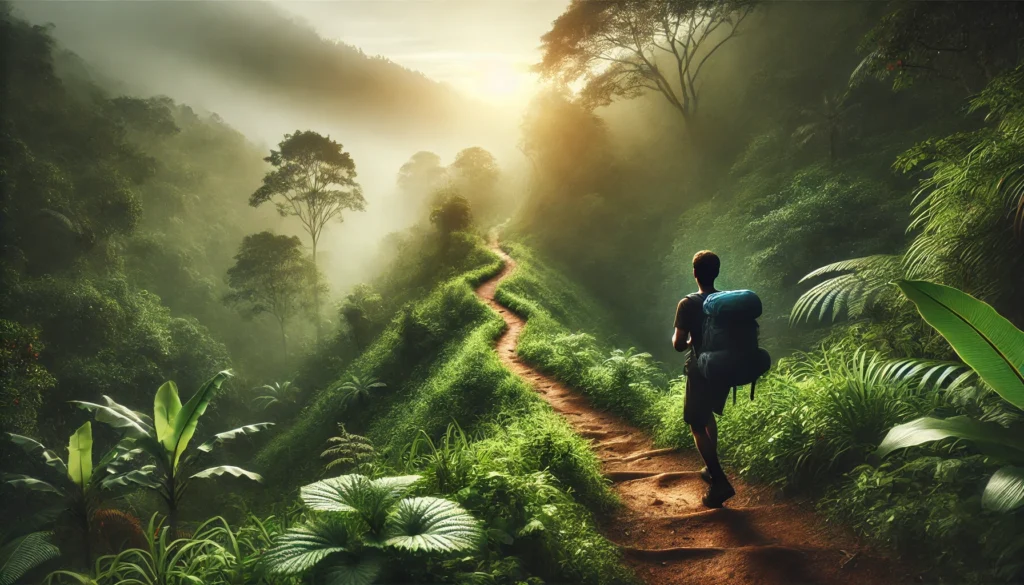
x=812 y=430
x=521 y=468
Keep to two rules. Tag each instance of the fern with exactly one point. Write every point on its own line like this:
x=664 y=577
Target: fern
x=358 y=389
x=347 y=451
x=25 y=553
x=854 y=286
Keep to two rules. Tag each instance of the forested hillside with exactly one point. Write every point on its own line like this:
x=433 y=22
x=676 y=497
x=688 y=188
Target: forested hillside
x=187 y=393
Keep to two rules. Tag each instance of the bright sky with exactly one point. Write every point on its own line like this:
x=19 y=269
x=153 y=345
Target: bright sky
x=482 y=47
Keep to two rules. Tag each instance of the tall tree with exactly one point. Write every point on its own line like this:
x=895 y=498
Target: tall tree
x=315 y=180
x=422 y=172
x=475 y=174
x=617 y=48
x=272 y=275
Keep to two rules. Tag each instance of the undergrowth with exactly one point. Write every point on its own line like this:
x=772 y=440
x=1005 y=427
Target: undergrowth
x=812 y=430
x=477 y=433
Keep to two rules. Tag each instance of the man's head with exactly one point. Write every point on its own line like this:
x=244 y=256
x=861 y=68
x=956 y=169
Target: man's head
x=705 y=267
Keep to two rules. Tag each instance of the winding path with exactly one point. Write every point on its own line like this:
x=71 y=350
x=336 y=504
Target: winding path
x=666 y=534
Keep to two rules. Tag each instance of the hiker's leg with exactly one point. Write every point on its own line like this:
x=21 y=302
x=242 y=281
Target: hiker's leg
x=706 y=438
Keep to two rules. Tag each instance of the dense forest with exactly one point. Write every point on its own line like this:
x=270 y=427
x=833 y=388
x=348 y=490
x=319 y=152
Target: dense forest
x=269 y=367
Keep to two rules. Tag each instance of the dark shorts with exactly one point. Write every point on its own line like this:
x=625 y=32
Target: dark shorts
x=702 y=399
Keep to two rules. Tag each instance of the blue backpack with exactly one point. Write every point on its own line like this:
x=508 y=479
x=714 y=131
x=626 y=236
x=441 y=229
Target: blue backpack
x=729 y=354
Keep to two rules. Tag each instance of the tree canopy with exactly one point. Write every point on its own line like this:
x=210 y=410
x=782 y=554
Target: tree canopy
x=272 y=275
x=620 y=48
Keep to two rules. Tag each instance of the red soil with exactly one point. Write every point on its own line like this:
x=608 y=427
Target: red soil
x=667 y=535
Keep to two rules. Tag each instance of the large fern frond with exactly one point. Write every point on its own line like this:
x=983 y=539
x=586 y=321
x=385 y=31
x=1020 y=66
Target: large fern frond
x=854 y=285
x=25 y=553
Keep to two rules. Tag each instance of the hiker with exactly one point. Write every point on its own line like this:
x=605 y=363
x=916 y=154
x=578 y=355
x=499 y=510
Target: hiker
x=703 y=398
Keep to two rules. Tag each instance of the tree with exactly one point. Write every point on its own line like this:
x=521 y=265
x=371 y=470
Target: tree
x=272 y=275
x=315 y=180
x=617 y=48
x=165 y=438
x=966 y=43
x=452 y=214
x=827 y=122
x=475 y=173
x=422 y=173
x=417 y=179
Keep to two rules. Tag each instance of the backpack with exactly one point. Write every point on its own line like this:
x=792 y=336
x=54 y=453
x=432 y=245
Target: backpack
x=729 y=354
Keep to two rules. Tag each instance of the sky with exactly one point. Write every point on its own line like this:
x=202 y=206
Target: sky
x=482 y=47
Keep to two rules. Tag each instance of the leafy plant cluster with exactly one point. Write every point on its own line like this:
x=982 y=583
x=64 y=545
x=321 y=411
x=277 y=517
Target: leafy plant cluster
x=447 y=410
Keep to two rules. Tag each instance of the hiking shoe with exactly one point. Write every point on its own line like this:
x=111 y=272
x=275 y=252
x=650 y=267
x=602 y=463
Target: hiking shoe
x=706 y=475
x=717 y=494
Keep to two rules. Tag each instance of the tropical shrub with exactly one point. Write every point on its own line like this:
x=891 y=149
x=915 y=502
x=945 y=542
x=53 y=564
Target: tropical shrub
x=165 y=438
x=78 y=480
x=994 y=348
x=278 y=393
x=358 y=523
x=23 y=380
x=358 y=389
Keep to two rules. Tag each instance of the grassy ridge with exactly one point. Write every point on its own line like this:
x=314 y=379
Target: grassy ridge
x=494 y=444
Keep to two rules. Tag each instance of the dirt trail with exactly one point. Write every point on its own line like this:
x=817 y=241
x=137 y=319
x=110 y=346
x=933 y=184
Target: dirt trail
x=666 y=533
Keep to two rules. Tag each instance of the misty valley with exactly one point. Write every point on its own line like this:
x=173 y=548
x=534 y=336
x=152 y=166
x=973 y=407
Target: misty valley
x=602 y=292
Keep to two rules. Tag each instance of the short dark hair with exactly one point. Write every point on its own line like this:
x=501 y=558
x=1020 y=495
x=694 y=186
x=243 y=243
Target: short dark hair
x=706 y=265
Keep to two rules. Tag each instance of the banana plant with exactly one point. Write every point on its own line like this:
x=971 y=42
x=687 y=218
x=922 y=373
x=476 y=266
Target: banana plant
x=994 y=348
x=77 y=479
x=358 y=523
x=165 y=439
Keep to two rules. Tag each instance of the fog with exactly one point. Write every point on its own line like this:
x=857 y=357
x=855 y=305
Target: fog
x=267 y=72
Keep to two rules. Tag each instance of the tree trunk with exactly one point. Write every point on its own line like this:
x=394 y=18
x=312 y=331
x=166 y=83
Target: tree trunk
x=284 y=339
x=316 y=295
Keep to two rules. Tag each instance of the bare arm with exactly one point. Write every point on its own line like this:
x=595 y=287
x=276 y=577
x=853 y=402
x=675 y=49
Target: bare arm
x=681 y=339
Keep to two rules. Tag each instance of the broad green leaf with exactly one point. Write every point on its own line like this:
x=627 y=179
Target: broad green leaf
x=363 y=570
x=80 y=456
x=398 y=485
x=233 y=434
x=23 y=554
x=432 y=525
x=166 y=406
x=226 y=470
x=338 y=494
x=987 y=436
x=142 y=476
x=983 y=338
x=1005 y=490
x=119 y=453
x=134 y=427
x=32 y=446
x=28 y=482
x=188 y=417
x=302 y=547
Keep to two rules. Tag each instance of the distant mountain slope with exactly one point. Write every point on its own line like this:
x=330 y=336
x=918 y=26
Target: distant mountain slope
x=161 y=46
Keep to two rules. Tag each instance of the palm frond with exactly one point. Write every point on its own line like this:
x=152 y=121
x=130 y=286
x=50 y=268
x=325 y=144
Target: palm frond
x=851 y=290
x=25 y=553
